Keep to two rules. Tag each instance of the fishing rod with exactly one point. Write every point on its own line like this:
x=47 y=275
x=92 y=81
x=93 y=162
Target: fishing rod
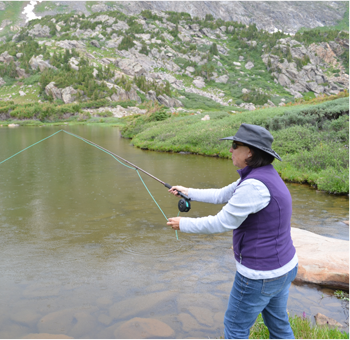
x=184 y=204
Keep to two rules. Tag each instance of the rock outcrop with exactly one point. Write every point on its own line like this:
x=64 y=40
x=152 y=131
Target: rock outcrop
x=6 y=58
x=39 y=62
x=322 y=260
x=68 y=94
x=40 y=31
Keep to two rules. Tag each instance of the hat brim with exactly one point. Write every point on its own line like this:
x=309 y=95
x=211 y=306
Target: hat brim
x=269 y=151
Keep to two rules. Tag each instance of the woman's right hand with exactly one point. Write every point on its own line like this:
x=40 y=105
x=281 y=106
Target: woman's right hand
x=174 y=190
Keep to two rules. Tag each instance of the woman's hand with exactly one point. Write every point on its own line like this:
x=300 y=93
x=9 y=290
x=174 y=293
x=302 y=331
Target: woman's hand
x=174 y=190
x=174 y=222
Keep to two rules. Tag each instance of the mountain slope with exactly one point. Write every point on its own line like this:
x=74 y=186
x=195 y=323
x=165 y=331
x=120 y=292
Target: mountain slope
x=287 y=16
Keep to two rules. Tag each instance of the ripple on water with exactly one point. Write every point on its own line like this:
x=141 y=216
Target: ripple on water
x=154 y=245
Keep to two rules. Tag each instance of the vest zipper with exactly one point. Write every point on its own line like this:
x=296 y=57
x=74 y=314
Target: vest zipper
x=240 y=256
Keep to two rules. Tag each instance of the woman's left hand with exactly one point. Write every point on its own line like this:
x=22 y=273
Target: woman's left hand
x=174 y=222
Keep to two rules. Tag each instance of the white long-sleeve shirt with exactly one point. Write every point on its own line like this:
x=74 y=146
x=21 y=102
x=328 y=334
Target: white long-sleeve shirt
x=248 y=198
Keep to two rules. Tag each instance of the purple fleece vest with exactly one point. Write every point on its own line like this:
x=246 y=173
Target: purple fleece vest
x=263 y=241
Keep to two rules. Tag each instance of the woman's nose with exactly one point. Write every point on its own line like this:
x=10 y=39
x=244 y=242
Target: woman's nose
x=231 y=149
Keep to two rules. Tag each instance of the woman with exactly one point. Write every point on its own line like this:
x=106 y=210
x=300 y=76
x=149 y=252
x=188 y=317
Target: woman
x=258 y=210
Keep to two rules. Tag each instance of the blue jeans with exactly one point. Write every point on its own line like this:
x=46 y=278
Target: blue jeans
x=250 y=297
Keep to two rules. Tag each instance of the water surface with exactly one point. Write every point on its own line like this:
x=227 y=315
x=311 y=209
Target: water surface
x=84 y=248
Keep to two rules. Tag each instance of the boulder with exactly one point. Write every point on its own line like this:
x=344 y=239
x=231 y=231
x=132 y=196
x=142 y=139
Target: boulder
x=283 y=79
x=323 y=320
x=169 y=102
x=40 y=31
x=2 y=81
x=69 y=44
x=206 y=117
x=123 y=95
x=38 y=62
x=322 y=260
x=222 y=79
x=52 y=90
x=151 y=95
x=249 y=65
x=21 y=93
x=120 y=25
x=73 y=63
x=6 y=58
x=68 y=94
x=245 y=91
x=236 y=63
x=199 y=82
x=131 y=67
x=95 y=43
x=141 y=328
x=21 y=73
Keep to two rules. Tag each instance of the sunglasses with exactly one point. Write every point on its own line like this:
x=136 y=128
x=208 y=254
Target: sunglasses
x=235 y=145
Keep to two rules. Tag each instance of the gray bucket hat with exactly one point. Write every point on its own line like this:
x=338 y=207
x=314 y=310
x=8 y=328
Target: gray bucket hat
x=256 y=136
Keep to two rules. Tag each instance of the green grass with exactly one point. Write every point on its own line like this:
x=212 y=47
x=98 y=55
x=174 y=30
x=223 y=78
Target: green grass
x=312 y=139
x=302 y=329
x=12 y=12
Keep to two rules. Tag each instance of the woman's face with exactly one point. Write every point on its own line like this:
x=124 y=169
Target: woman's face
x=240 y=154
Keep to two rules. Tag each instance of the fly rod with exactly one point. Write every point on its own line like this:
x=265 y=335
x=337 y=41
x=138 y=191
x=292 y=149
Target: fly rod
x=184 y=204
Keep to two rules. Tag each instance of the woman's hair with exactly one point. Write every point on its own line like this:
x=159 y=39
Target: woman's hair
x=259 y=158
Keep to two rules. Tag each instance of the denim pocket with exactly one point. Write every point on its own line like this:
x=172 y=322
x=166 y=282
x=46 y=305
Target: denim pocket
x=273 y=286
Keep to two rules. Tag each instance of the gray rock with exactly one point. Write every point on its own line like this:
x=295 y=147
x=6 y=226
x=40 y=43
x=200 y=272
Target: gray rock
x=68 y=94
x=95 y=43
x=236 y=63
x=21 y=73
x=38 y=62
x=283 y=79
x=131 y=67
x=245 y=91
x=151 y=95
x=69 y=44
x=120 y=25
x=199 y=83
x=40 y=31
x=6 y=58
x=101 y=7
x=2 y=81
x=190 y=69
x=222 y=79
x=52 y=90
x=169 y=102
x=249 y=65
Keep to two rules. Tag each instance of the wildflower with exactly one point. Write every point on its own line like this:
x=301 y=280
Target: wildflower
x=304 y=315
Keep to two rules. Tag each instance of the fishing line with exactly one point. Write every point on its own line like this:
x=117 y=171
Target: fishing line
x=184 y=204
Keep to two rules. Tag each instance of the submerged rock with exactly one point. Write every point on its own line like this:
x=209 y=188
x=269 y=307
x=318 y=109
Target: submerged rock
x=140 y=328
x=322 y=260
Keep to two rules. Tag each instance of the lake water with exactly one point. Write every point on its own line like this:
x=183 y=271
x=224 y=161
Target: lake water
x=84 y=248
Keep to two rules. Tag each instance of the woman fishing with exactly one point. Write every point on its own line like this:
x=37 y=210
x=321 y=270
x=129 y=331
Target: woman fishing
x=258 y=209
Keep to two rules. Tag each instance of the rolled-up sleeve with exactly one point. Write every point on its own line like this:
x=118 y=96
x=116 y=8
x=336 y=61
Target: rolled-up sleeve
x=248 y=198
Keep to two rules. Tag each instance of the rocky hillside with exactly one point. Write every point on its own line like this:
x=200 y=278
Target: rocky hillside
x=287 y=16
x=173 y=58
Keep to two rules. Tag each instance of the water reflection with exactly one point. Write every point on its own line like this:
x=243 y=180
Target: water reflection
x=84 y=248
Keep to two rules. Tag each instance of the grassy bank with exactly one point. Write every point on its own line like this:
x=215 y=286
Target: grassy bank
x=302 y=328
x=311 y=138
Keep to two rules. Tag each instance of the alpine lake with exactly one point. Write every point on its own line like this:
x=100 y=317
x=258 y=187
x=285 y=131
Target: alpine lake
x=84 y=248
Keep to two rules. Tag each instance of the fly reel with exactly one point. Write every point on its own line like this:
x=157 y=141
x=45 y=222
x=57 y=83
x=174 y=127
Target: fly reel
x=184 y=205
